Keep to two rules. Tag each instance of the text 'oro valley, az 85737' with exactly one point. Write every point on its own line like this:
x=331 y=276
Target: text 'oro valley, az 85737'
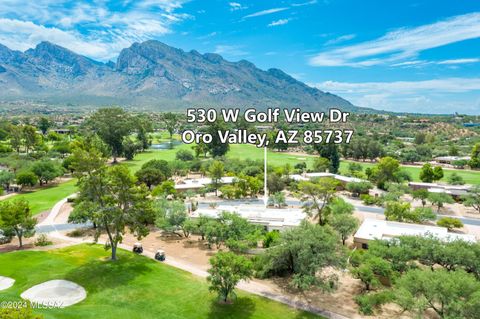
x=270 y=116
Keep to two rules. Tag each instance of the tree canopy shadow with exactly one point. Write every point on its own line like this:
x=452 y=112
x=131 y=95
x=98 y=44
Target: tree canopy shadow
x=242 y=307
x=98 y=274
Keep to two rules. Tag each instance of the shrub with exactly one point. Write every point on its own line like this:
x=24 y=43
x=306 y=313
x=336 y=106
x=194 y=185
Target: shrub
x=370 y=200
x=450 y=223
x=43 y=240
x=369 y=302
x=271 y=238
x=184 y=155
x=358 y=188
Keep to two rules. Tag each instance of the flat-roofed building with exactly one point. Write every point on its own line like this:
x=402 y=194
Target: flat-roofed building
x=344 y=180
x=372 y=229
x=455 y=191
x=451 y=159
x=270 y=218
x=199 y=183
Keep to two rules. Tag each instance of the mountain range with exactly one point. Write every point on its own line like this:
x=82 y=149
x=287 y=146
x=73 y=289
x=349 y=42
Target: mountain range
x=155 y=76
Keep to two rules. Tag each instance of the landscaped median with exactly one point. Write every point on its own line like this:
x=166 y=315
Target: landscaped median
x=132 y=287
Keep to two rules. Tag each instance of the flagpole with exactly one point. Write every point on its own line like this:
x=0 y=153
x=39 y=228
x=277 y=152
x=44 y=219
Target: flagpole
x=265 y=189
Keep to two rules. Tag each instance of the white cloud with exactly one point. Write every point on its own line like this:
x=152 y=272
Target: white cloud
x=230 y=51
x=429 y=96
x=459 y=61
x=234 y=6
x=278 y=22
x=456 y=85
x=402 y=44
x=340 y=39
x=90 y=29
x=265 y=12
x=304 y=3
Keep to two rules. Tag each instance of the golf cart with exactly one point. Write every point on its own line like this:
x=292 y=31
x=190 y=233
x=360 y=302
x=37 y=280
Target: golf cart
x=160 y=255
x=137 y=248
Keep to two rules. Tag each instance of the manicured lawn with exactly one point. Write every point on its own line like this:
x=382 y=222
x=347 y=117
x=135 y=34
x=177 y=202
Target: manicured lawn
x=245 y=151
x=468 y=176
x=142 y=158
x=132 y=287
x=45 y=198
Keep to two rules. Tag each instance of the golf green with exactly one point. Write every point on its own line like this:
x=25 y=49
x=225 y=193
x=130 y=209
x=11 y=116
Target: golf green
x=132 y=287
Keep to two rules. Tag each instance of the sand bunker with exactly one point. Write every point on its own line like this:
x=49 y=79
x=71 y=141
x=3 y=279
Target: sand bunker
x=6 y=282
x=61 y=293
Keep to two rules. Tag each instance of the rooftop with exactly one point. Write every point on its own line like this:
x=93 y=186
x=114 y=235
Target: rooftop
x=381 y=229
x=257 y=214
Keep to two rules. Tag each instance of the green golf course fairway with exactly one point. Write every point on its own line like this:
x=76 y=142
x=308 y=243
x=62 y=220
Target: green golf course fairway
x=132 y=287
x=44 y=198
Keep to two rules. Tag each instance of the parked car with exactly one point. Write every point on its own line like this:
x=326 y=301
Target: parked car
x=137 y=248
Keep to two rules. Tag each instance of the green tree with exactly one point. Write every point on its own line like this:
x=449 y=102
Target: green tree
x=475 y=157
x=164 y=189
x=44 y=124
x=321 y=164
x=345 y=225
x=338 y=206
x=440 y=199
x=16 y=136
x=450 y=294
x=316 y=196
x=387 y=170
x=30 y=137
x=397 y=211
x=111 y=199
x=216 y=172
x=6 y=178
x=184 y=155
x=130 y=148
x=426 y=173
x=421 y=194
x=420 y=138
x=450 y=223
x=226 y=271
x=455 y=179
x=472 y=199
x=358 y=188
x=216 y=148
x=171 y=216
x=303 y=252
x=46 y=170
x=330 y=152
x=112 y=125
x=170 y=120
x=16 y=218
x=154 y=172
x=26 y=178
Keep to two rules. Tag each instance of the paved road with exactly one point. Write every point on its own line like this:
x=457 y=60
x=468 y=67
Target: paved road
x=254 y=287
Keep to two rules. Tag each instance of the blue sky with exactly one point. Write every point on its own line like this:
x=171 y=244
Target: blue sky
x=416 y=56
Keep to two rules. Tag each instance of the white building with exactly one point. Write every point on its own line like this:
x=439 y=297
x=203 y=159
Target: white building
x=198 y=183
x=381 y=229
x=270 y=218
x=453 y=190
x=309 y=176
